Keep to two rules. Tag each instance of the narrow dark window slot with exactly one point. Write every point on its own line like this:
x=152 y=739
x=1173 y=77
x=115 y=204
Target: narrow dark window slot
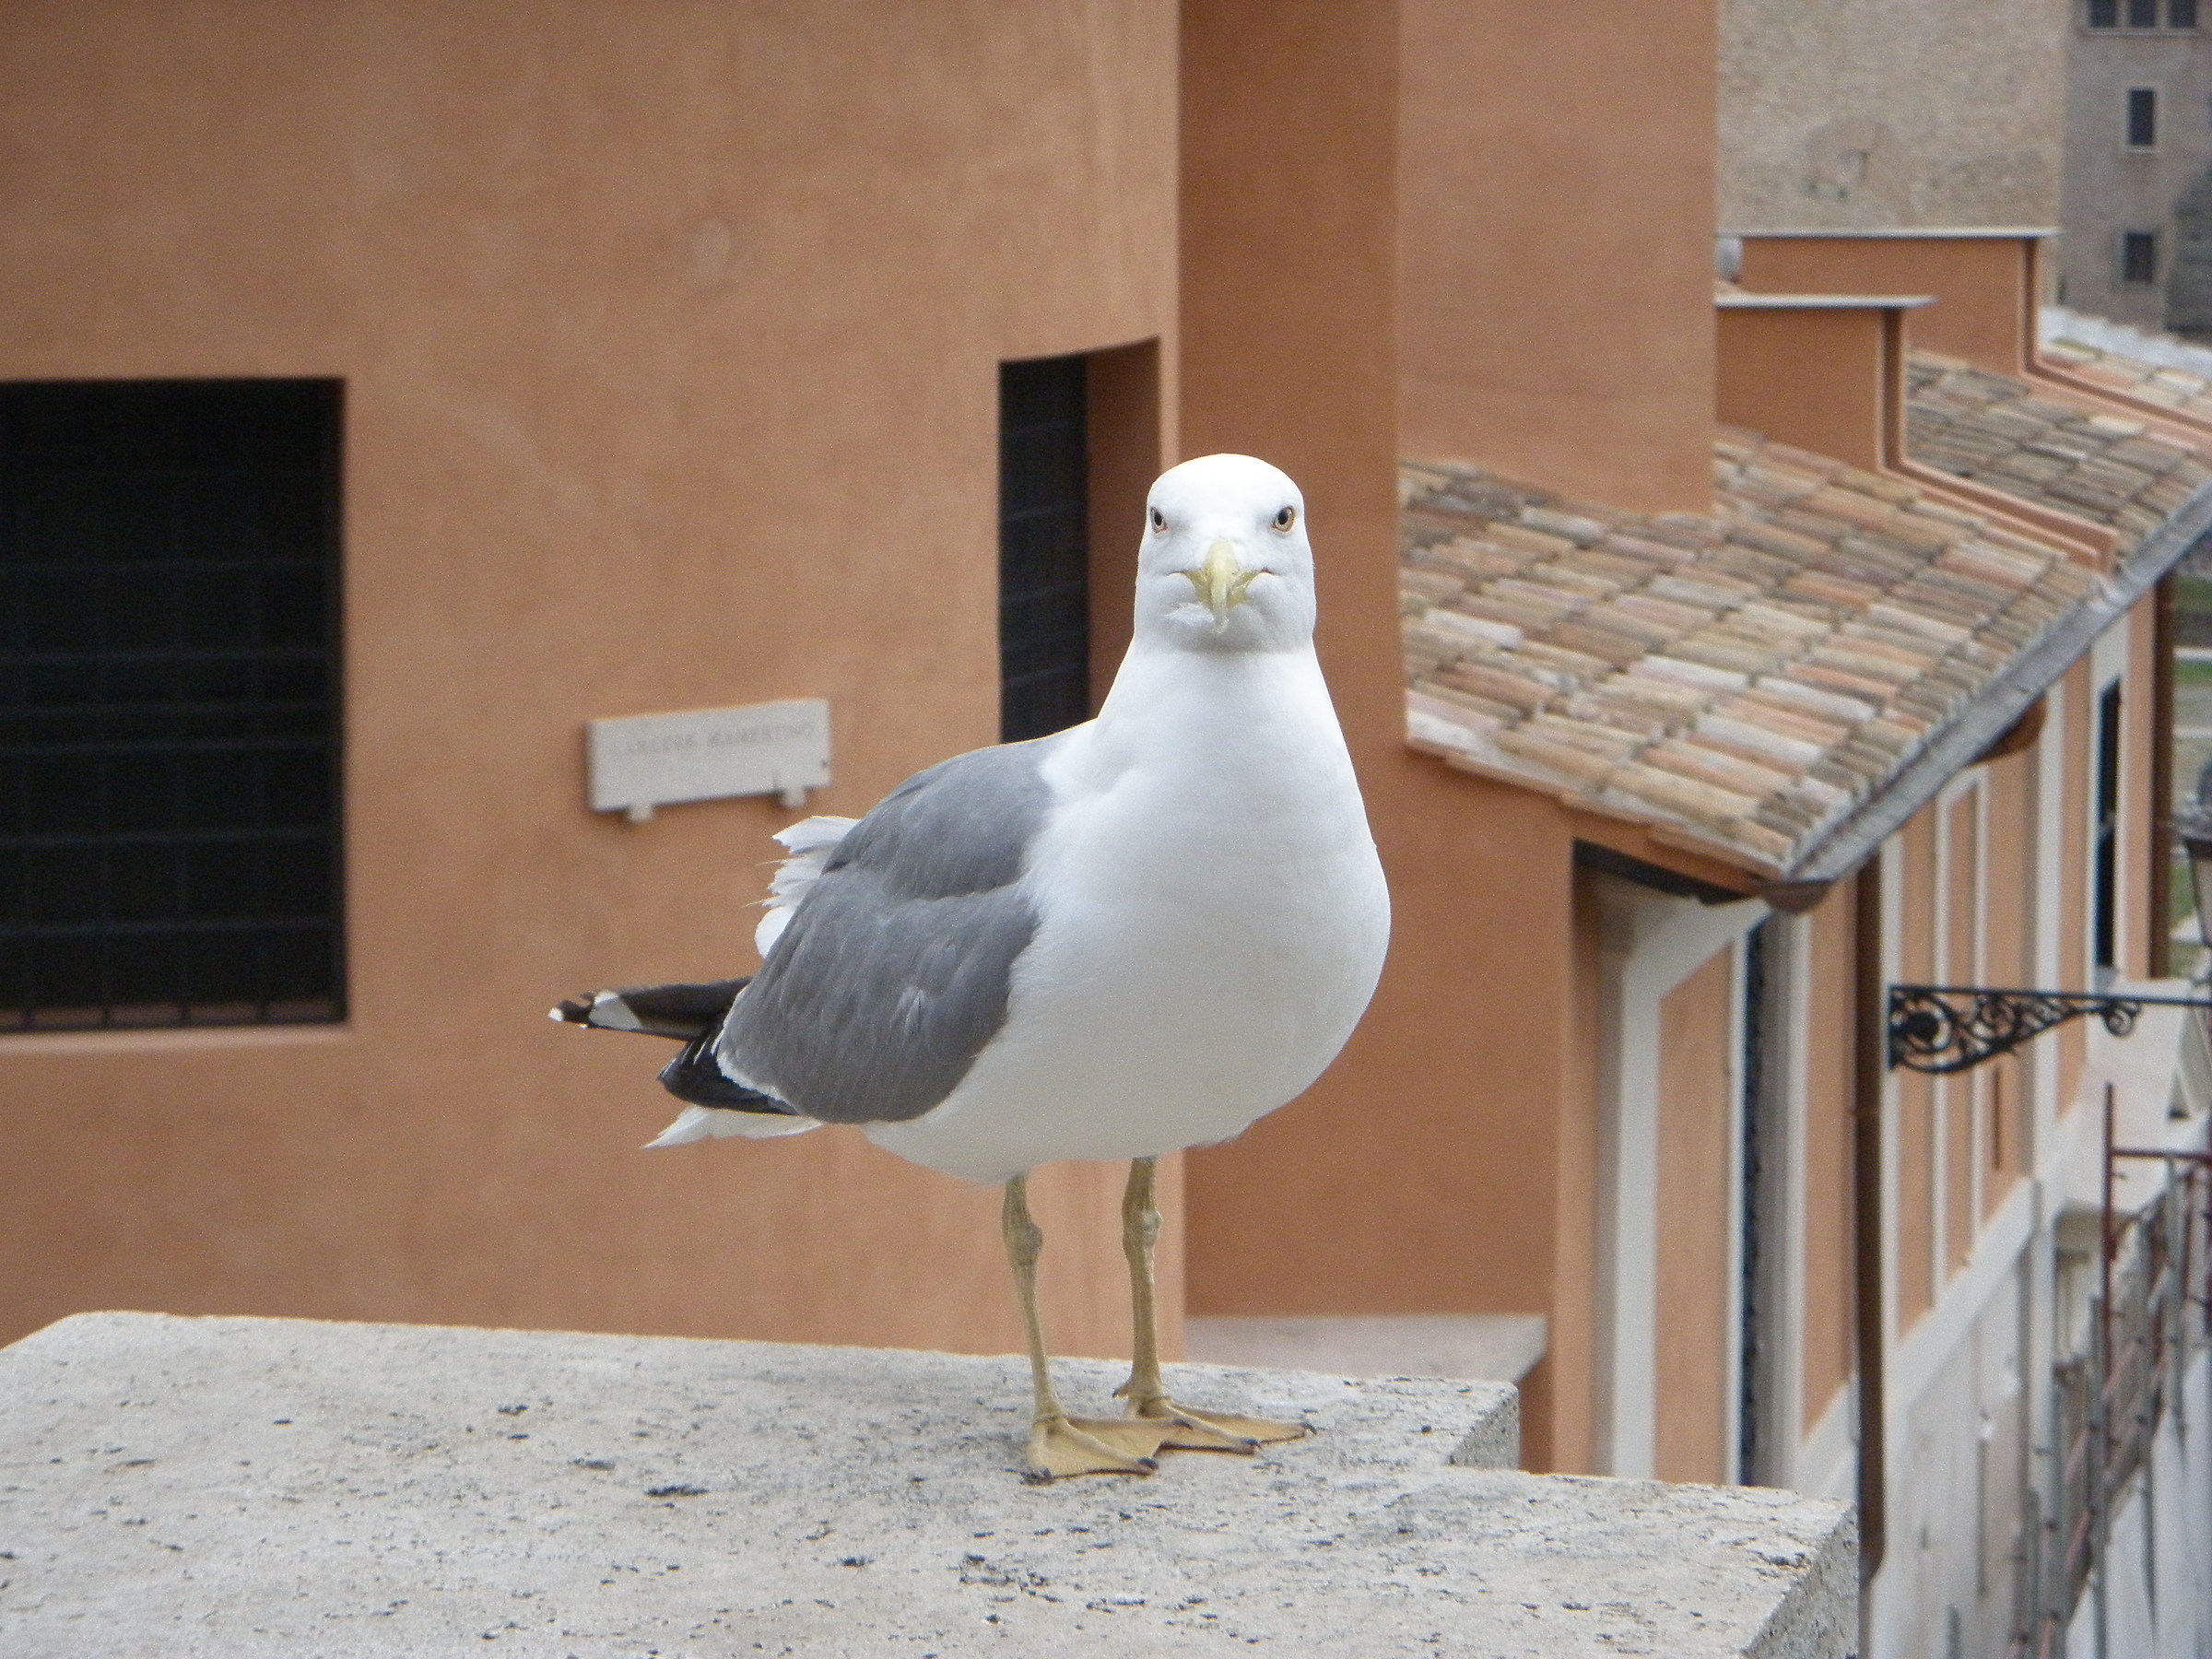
x=169 y=703
x=2181 y=14
x=2106 y=918
x=1043 y=547
x=1755 y=1365
x=2104 y=14
x=2142 y=117
x=2142 y=14
x=2138 y=256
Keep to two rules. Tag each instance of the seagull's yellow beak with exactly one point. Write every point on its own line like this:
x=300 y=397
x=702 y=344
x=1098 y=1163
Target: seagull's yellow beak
x=1221 y=580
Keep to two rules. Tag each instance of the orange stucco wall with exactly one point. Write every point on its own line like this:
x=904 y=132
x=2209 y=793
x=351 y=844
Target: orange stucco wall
x=1829 y=1296
x=1963 y=1096
x=1403 y=1180
x=1130 y=427
x=1691 y=1367
x=670 y=336
x=1800 y=375
x=2080 y=740
x=1814 y=377
x=1969 y=870
x=2139 y=924
x=2008 y=959
x=1568 y=1393
x=1918 y=1108
x=1419 y=1174
x=1556 y=244
x=2076 y=694
x=1982 y=286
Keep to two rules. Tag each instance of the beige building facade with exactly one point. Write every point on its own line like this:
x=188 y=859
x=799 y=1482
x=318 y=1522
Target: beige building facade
x=1876 y=114
x=2137 y=205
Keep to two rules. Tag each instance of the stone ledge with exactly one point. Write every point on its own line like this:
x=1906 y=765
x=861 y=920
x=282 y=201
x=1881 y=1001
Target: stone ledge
x=247 y=1487
x=1498 y=1347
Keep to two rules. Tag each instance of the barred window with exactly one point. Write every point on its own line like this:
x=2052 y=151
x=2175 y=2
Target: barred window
x=1043 y=547
x=169 y=703
x=2141 y=14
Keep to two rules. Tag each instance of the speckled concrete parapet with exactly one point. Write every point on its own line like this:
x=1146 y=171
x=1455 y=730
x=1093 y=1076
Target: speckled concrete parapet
x=243 y=1487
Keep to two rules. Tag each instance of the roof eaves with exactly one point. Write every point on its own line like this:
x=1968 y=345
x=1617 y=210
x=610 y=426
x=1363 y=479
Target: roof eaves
x=1736 y=299
x=1629 y=667
x=2004 y=699
x=1905 y=233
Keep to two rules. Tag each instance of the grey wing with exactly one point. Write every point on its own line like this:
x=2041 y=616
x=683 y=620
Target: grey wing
x=893 y=974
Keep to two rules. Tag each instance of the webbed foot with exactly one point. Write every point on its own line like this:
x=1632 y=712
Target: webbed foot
x=1061 y=1447
x=1189 y=1430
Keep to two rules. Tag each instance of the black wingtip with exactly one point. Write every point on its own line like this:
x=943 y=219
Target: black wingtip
x=682 y=1012
x=695 y=1078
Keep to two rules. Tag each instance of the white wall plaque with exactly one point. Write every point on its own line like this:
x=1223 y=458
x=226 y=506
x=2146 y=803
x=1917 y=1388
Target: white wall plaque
x=648 y=761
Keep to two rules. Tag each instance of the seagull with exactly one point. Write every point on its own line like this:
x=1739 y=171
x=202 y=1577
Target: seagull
x=1138 y=935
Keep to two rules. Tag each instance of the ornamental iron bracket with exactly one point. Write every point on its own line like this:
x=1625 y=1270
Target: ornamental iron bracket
x=1942 y=1029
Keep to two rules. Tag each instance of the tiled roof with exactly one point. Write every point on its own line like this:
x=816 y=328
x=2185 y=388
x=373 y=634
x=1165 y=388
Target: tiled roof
x=1737 y=681
x=2020 y=439
x=2169 y=388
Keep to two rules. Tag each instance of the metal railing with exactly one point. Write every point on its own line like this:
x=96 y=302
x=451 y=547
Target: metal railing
x=2151 y=1315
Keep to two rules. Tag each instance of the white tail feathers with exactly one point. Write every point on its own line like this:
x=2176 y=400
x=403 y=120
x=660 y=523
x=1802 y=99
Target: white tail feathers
x=707 y=1123
x=808 y=842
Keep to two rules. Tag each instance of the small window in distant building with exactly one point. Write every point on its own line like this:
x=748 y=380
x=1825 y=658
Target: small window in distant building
x=2104 y=14
x=2142 y=14
x=1043 y=547
x=169 y=703
x=2138 y=256
x=2181 y=14
x=2142 y=118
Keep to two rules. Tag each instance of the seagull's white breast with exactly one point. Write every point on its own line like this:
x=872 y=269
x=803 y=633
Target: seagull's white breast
x=1212 y=920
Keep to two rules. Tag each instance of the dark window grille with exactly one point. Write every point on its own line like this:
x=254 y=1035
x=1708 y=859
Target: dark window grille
x=2138 y=256
x=2104 y=14
x=2181 y=14
x=2106 y=916
x=2142 y=117
x=1043 y=549
x=2142 y=14
x=169 y=703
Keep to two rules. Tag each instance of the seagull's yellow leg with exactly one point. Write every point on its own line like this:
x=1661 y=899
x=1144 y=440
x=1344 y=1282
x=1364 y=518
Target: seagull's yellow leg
x=1188 y=1431
x=1060 y=1445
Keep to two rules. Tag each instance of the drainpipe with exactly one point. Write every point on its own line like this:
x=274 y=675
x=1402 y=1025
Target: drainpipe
x=2100 y=1404
x=1870 y=1065
x=2162 y=777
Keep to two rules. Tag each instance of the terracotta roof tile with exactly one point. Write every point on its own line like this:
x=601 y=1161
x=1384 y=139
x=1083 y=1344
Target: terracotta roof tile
x=1743 y=680
x=1603 y=707
x=1562 y=759
x=2169 y=388
x=2002 y=431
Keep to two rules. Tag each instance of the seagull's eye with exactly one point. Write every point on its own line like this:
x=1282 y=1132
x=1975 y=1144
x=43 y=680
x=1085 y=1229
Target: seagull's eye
x=1284 y=519
x=1159 y=520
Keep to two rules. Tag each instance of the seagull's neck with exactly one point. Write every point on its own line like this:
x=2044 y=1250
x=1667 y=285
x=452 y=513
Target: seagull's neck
x=1175 y=706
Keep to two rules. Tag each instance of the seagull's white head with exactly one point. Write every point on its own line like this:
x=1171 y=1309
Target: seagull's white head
x=1224 y=564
